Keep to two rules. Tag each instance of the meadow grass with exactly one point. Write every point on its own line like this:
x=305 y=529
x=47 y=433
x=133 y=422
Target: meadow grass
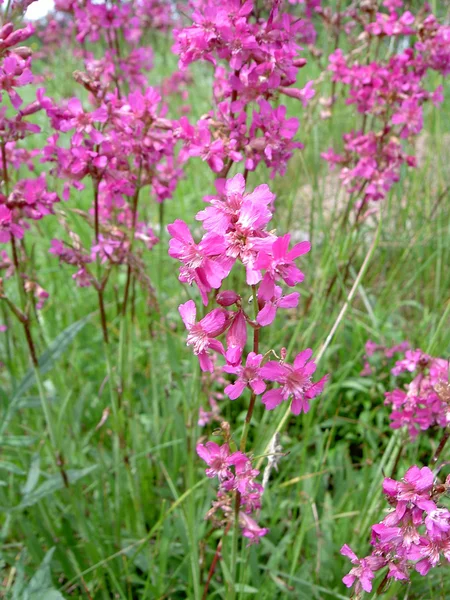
x=131 y=523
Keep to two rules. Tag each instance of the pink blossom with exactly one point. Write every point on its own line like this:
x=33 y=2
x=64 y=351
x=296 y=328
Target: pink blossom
x=250 y=529
x=363 y=572
x=236 y=338
x=201 y=263
x=270 y=306
x=237 y=209
x=202 y=334
x=413 y=490
x=248 y=376
x=279 y=263
x=295 y=381
x=217 y=458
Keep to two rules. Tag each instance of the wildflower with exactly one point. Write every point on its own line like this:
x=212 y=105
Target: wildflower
x=295 y=381
x=268 y=312
x=248 y=376
x=279 y=264
x=202 y=334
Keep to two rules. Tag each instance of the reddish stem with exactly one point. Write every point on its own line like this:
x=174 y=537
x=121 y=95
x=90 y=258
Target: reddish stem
x=214 y=562
x=441 y=446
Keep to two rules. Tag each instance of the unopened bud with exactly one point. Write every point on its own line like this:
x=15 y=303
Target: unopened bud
x=227 y=298
x=6 y=30
x=23 y=51
x=18 y=36
x=299 y=62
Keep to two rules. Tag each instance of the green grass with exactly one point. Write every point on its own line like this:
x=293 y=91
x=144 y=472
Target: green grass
x=131 y=525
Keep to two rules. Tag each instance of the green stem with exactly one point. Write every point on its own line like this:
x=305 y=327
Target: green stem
x=161 y=252
x=116 y=438
x=49 y=422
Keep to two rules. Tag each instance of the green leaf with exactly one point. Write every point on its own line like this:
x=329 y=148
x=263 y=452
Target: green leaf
x=11 y=468
x=46 y=361
x=33 y=475
x=245 y=589
x=52 y=485
x=17 y=441
x=41 y=586
x=19 y=582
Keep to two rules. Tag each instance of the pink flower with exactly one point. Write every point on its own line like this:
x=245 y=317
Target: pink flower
x=201 y=263
x=279 y=263
x=248 y=376
x=217 y=459
x=413 y=358
x=437 y=523
x=251 y=529
x=80 y=120
x=413 y=490
x=304 y=95
x=237 y=209
x=363 y=572
x=410 y=116
x=268 y=312
x=8 y=228
x=401 y=541
x=201 y=335
x=227 y=298
x=236 y=338
x=295 y=381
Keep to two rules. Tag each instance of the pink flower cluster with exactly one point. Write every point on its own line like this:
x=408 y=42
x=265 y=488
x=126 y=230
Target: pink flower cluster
x=118 y=29
x=262 y=58
x=236 y=475
x=126 y=147
x=415 y=535
x=236 y=231
x=22 y=200
x=391 y=93
x=421 y=403
x=15 y=60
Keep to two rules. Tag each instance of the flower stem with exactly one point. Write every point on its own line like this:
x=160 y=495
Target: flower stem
x=441 y=446
x=101 y=305
x=214 y=562
x=134 y=208
x=242 y=447
x=234 y=549
x=251 y=406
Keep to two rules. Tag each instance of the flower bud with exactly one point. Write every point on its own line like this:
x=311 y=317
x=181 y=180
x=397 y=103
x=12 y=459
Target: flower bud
x=23 y=52
x=227 y=298
x=6 y=30
x=18 y=36
x=299 y=62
